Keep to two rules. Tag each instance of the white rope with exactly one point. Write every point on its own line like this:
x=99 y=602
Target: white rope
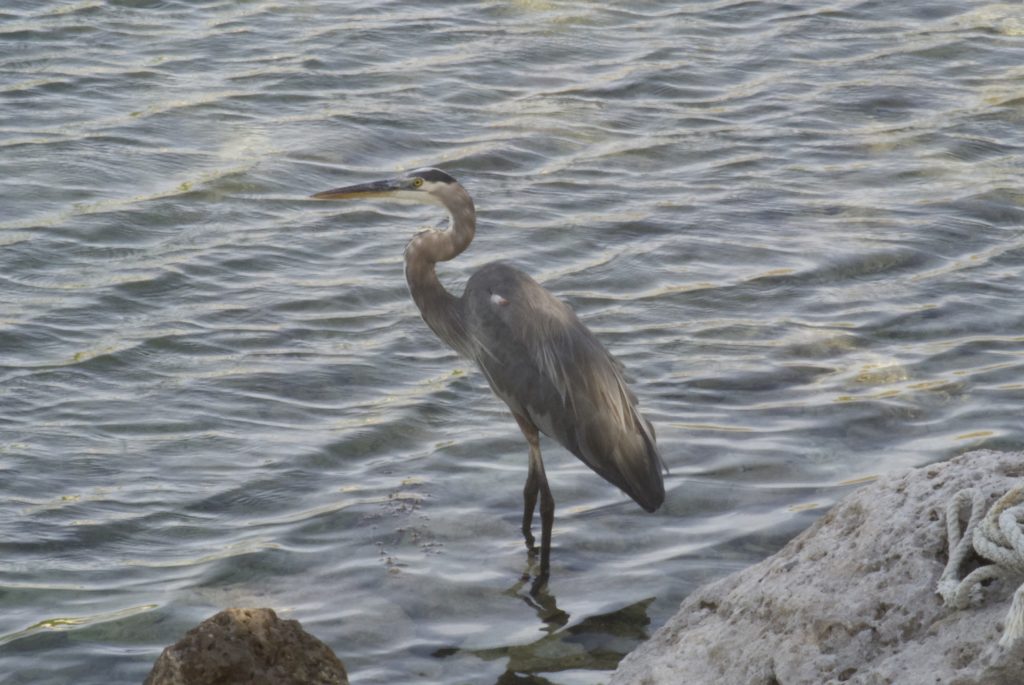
x=996 y=536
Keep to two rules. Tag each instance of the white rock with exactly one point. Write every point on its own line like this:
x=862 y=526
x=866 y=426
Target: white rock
x=850 y=600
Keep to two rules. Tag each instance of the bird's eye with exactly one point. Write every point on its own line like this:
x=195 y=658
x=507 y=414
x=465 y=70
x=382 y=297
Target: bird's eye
x=417 y=182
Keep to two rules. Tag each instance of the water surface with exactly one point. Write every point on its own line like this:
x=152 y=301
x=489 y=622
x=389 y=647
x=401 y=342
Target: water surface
x=799 y=225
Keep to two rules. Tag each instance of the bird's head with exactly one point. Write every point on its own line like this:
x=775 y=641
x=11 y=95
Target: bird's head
x=430 y=186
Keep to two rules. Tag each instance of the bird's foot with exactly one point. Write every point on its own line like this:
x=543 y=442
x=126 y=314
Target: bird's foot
x=540 y=584
x=532 y=557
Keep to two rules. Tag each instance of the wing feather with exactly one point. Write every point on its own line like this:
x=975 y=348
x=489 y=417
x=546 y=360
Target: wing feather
x=547 y=366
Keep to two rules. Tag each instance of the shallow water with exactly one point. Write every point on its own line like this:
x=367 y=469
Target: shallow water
x=798 y=225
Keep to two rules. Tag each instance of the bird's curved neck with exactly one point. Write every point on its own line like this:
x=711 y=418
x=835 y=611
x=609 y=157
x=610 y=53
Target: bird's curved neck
x=439 y=308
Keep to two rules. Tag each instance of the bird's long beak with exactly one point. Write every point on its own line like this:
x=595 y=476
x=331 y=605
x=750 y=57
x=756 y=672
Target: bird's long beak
x=363 y=190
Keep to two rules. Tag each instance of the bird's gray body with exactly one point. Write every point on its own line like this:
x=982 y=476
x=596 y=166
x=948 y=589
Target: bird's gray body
x=549 y=368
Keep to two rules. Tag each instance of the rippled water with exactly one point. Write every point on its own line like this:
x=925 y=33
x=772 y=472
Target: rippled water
x=800 y=226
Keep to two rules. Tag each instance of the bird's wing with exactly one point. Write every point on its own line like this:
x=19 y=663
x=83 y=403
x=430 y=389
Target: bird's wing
x=548 y=367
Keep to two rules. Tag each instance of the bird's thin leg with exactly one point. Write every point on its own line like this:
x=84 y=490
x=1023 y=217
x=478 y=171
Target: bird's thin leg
x=537 y=483
x=547 y=520
x=532 y=487
x=529 y=504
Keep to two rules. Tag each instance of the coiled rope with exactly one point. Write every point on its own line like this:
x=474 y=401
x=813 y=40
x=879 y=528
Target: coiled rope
x=996 y=536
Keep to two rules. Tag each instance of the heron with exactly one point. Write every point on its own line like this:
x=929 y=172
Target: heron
x=553 y=373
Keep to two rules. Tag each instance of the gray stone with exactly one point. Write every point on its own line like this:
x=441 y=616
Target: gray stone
x=850 y=600
x=248 y=647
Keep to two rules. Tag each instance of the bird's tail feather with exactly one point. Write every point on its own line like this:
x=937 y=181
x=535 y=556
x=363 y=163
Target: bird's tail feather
x=627 y=459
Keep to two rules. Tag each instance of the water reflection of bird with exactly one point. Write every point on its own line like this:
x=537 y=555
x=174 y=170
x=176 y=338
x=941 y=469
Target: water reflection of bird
x=550 y=370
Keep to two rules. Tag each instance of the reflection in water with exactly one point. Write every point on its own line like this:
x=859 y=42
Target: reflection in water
x=597 y=643
x=542 y=601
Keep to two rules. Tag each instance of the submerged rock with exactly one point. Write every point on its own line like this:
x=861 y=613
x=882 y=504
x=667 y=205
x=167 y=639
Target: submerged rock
x=248 y=647
x=851 y=600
